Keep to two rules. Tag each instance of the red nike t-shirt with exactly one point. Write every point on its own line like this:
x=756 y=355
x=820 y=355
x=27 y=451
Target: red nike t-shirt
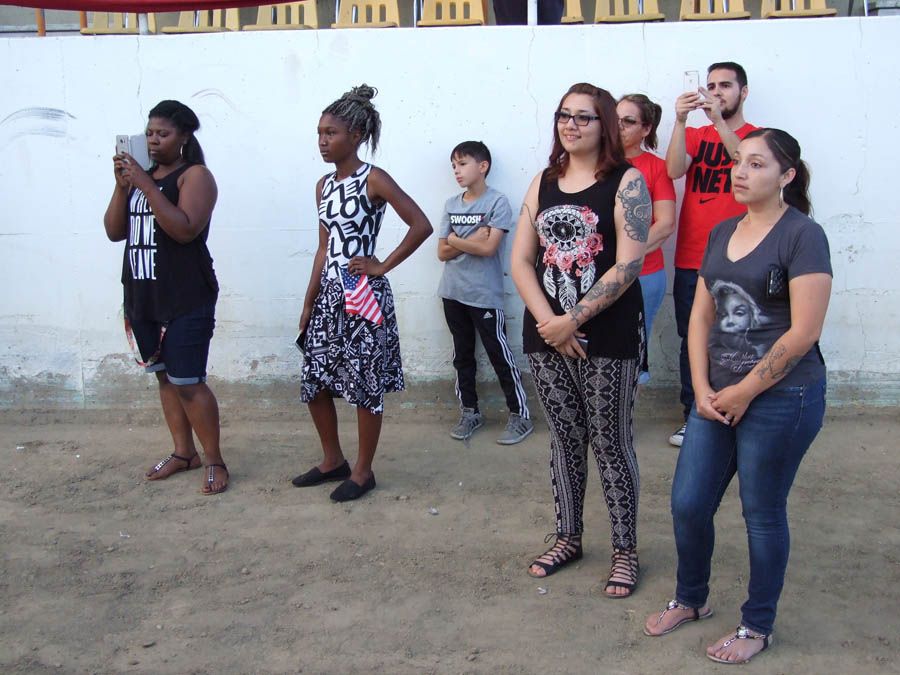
x=707 y=193
x=653 y=169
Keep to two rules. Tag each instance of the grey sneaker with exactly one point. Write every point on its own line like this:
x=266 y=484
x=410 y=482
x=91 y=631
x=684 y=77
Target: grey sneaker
x=469 y=421
x=677 y=438
x=517 y=429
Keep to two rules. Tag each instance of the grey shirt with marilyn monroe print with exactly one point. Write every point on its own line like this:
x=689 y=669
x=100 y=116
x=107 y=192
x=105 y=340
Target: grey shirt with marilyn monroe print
x=749 y=316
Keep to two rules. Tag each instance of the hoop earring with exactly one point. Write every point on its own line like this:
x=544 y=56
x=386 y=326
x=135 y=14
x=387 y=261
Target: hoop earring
x=781 y=197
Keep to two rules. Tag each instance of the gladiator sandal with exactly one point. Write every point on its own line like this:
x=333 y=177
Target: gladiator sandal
x=567 y=549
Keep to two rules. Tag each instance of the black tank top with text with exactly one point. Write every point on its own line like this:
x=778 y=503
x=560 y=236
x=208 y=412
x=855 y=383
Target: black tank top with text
x=163 y=279
x=577 y=245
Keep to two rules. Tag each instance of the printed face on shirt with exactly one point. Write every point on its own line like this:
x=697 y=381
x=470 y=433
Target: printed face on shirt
x=756 y=176
x=336 y=142
x=575 y=139
x=631 y=129
x=722 y=84
x=467 y=170
x=734 y=315
x=164 y=141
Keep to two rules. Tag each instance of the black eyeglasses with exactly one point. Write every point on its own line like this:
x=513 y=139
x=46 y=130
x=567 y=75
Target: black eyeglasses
x=581 y=119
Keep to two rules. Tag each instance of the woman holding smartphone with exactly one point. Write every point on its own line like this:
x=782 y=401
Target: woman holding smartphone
x=170 y=286
x=578 y=249
x=760 y=402
x=348 y=325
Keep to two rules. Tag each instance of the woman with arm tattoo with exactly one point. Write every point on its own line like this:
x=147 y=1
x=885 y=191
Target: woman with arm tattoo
x=760 y=399
x=578 y=249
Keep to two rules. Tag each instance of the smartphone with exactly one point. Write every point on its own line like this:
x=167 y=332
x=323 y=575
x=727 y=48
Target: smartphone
x=582 y=342
x=136 y=146
x=692 y=81
x=300 y=342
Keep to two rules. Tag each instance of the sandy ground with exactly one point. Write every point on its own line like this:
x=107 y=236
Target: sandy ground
x=103 y=572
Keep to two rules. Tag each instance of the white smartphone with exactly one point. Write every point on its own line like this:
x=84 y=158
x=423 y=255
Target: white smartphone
x=136 y=146
x=692 y=81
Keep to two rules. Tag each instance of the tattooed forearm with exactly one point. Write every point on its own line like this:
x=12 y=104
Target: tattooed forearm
x=526 y=211
x=638 y=209
x=606 y=291
x=772 y=367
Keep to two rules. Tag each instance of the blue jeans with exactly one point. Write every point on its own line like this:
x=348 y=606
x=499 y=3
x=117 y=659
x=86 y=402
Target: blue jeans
x=765 y=450
x=683 y=288
x=653 y=288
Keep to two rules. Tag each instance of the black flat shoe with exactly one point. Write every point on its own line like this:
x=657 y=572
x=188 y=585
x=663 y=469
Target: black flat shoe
x=316 y=477
x=348 y=490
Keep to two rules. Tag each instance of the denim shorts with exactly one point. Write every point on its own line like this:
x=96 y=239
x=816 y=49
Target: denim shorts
x=185 y=346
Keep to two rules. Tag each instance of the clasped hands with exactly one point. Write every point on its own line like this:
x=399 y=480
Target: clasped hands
x=727 y=405
x=560 y=332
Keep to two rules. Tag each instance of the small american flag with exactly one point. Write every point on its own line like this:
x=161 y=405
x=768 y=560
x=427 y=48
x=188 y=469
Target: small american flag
x=359 y=298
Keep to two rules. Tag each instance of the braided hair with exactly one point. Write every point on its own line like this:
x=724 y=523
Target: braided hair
x=185 y=120
x=355 y=109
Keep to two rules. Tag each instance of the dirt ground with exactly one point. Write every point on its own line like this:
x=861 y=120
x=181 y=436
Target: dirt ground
x=103 y=572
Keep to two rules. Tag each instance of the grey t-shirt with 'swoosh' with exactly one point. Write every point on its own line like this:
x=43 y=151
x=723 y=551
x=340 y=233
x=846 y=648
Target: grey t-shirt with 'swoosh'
x=753 y=305
x=473 y=279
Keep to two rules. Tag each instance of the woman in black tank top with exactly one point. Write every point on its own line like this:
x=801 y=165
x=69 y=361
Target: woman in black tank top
x=169 y=282
x=578 y=250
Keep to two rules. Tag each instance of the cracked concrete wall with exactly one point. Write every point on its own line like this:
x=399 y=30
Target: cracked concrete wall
x=833 y=83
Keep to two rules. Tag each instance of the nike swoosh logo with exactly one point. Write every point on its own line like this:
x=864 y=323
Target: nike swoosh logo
x=708 y=199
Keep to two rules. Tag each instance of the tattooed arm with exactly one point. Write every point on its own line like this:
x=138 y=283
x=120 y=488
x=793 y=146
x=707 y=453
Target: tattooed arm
x=632 y=219
x=809 y=301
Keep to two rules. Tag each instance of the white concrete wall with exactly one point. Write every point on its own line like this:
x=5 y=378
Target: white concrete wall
x=833 y=83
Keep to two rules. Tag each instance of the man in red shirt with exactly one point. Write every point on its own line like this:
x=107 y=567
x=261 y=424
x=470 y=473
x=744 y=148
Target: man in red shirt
x=704 y=154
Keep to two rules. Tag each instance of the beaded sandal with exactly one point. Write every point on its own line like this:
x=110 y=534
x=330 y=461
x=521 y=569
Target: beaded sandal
x=188 y=465
x=674 y=604
x=624 y=565
x=742 y=633
x=211 y=478
x=567 y=549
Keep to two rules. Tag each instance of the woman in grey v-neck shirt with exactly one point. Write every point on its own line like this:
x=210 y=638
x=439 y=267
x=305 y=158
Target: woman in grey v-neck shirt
x=759 y=379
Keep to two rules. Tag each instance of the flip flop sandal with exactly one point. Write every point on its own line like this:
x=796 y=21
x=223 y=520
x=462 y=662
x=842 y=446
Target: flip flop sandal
x=211 y=478
x=742 y=633
x=674 y=604
x=187 y=465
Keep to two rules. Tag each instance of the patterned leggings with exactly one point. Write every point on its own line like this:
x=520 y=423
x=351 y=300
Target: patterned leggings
x=591 y=401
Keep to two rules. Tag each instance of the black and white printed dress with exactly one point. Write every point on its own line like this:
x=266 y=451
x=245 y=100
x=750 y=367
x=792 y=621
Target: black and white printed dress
x=345 y=354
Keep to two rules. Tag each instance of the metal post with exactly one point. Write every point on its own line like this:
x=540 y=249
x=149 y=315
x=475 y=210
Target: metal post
x=143 y=24
x=41 y=22
x=532 y=12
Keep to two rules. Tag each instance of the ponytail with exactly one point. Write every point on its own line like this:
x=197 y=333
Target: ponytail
x=651 y=114
x=786 y=150
x=185 y=120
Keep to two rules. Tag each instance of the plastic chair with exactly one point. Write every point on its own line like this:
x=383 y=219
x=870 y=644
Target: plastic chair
x=116 y=23
x=572 y=12
x=781 y=9
x=368 y=14
x=289 y=16
x=712 y=10
x=452 y=13
x=206 y=21
x=627 y=11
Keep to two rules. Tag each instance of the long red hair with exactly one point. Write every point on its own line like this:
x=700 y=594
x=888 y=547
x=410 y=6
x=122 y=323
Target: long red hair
x=610 y=151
